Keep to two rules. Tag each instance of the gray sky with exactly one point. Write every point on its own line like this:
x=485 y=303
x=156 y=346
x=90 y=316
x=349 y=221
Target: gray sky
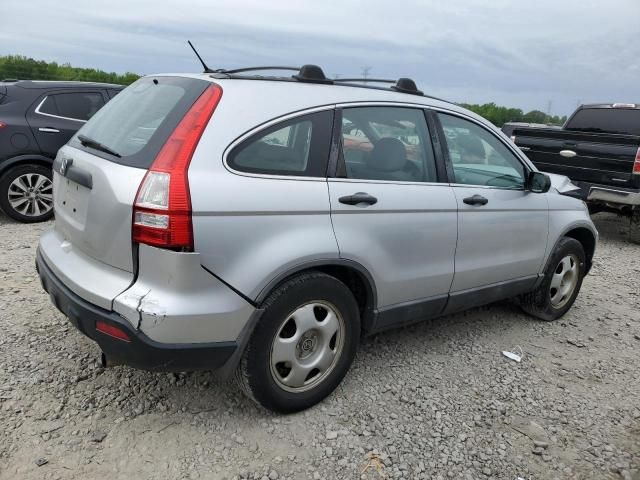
x=511 y=52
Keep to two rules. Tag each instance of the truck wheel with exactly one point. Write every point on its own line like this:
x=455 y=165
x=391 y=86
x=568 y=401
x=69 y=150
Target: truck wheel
x=561 y=283
x=303 y=344
x=26 y=193
x=634 y=226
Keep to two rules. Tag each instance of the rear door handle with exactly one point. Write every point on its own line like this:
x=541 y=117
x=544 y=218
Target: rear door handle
x=357 y=198
x=49 y=130
x=568 y=153
x=476 y=200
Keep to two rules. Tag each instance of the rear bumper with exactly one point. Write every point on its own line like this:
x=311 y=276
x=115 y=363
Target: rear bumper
x=140 y=351
x=592 y=192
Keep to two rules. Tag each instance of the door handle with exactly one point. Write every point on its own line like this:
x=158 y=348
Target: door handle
x=568 y=153
x=476 y=200
x=49 y=130
x=357 y=198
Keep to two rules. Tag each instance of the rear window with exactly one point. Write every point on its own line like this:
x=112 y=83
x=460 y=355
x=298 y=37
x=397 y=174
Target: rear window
x=138 y=121
x=624 y=121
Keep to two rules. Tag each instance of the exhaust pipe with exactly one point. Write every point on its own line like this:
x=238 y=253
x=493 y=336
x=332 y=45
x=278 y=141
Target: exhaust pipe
x=106 y=362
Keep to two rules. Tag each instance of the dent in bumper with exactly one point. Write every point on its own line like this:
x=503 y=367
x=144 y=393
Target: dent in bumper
x=175 y=300
x=140 y=351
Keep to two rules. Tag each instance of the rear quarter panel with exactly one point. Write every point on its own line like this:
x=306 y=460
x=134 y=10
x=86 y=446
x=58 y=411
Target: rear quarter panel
x=250 y=229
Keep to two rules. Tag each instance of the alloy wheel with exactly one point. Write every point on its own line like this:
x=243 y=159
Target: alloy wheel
x=31 y=194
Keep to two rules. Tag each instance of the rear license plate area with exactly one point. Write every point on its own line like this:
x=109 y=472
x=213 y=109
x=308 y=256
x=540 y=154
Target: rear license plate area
x=72 y=200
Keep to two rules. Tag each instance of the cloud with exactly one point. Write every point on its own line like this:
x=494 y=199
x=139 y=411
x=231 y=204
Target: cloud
x=521 y=54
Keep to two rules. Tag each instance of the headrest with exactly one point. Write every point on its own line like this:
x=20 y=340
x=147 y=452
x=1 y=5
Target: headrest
x=388 y=155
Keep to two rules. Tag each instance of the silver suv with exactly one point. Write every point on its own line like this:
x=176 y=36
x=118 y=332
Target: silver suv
x=260 y=225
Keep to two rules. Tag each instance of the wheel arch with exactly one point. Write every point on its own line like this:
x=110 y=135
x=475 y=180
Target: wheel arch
x=355 y=276
x=588 y=240
x=8 y=164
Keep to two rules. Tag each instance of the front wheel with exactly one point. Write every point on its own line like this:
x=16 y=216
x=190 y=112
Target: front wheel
x=561 y=284
x=303 y=345
x=26 y=193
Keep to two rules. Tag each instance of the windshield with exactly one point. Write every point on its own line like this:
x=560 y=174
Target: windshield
x=137 y=122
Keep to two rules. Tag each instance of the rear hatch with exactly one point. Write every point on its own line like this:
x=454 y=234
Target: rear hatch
x=98 y=173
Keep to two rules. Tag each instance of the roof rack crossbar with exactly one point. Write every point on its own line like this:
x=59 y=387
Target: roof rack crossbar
x=370 y=80
x=251 y=69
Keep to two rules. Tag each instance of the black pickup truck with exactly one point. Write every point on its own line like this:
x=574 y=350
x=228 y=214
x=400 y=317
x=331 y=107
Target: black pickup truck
x=598 y=148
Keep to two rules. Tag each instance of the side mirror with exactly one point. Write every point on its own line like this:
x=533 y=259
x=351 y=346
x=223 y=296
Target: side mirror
x=538 y=182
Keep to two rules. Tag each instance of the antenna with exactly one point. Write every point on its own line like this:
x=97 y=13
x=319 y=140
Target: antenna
x=204 y=65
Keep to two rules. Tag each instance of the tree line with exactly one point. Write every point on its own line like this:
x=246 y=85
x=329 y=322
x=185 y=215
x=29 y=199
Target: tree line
x=500 y=115
x=25 y=68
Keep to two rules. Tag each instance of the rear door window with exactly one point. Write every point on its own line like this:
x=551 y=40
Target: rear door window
x=113 y=92
x=138 y=121
x=298 y=147
x=79 y=106
x=48 y=106
x=387 y=143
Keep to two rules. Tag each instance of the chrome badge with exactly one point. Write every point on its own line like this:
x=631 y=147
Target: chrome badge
x=66 y=162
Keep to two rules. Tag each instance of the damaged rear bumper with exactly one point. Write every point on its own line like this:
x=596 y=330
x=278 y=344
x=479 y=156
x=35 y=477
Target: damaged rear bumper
x=140 y=350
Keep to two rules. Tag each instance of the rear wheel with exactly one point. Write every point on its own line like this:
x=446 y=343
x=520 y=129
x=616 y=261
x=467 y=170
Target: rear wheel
x=303 y=345
x=561 y=284
x=634 y=226
x=26 y=193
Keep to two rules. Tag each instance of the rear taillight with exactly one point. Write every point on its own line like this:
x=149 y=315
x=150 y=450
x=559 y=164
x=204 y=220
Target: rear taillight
x=162 y=210
x=2 y=124
x=636 y=164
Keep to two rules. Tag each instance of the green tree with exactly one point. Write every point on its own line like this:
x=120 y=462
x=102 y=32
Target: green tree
x=500 y=115
x=25 y=68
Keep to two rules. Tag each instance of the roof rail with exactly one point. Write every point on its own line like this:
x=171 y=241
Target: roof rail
x=252 y=69
x=370 y=80
x=313 y=74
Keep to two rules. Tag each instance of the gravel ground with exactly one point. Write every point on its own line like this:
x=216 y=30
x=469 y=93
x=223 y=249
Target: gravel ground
x=436 y=400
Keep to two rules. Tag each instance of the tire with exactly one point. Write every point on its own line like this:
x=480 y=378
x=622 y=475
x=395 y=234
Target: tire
x=634 y=227
x=549 y=301
x=316 y=300
x=37 y=206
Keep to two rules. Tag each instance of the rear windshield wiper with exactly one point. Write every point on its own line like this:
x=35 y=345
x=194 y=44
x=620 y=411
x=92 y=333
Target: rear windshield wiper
x=90 y=142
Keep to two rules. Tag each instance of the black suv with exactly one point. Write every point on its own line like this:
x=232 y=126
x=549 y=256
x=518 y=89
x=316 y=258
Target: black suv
x=36 y=119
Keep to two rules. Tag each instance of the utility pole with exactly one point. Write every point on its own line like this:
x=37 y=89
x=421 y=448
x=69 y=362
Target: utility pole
x=365 y=72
